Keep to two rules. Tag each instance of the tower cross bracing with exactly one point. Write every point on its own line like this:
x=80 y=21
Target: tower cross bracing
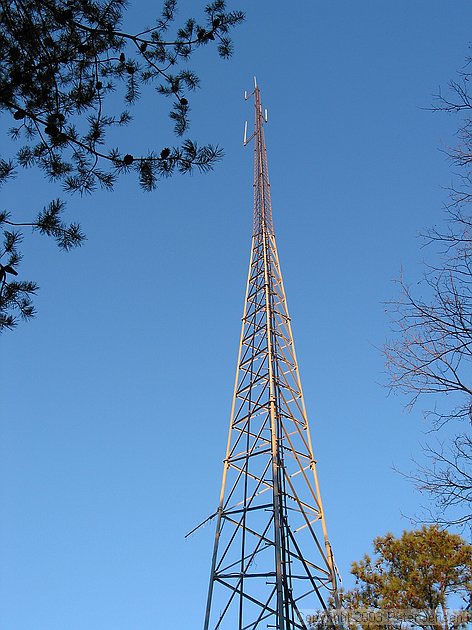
x=272 y=559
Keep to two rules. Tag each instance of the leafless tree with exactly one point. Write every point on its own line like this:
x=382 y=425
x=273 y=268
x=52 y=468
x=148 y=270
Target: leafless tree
x=431 y=352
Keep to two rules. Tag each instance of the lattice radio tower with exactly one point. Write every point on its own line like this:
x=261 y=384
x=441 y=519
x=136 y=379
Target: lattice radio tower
x=272 y=560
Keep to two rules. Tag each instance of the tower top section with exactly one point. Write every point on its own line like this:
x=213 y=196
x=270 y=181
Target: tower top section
x=262 y=200
x=261 y=116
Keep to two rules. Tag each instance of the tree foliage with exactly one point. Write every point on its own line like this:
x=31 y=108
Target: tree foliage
x=410 y=582
x=60 y=64
x=431 y=355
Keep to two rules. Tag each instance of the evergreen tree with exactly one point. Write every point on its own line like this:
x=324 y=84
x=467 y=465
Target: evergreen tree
x=411 y=582
x=59 y=63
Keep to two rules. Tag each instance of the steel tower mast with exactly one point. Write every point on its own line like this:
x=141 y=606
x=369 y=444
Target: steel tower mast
x=272 y=559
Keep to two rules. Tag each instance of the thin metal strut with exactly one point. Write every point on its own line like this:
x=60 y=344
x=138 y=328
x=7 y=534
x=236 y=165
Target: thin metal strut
x=272 y=561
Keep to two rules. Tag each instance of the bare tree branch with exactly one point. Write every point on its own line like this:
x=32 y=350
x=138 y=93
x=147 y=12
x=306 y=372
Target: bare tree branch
x=430 y=355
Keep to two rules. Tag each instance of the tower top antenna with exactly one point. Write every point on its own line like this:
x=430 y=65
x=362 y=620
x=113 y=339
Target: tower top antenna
x=261 y=116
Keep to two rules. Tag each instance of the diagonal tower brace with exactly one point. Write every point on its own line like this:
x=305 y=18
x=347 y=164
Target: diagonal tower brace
x=272 y=558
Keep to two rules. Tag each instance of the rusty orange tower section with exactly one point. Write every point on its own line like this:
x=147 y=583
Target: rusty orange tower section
x=272 y=560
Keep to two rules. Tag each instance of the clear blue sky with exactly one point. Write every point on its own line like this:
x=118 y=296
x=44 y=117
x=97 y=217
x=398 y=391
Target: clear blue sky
x=115 y=401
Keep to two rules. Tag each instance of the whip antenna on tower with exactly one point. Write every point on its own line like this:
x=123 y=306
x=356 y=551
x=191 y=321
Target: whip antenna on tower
x=272 y=560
